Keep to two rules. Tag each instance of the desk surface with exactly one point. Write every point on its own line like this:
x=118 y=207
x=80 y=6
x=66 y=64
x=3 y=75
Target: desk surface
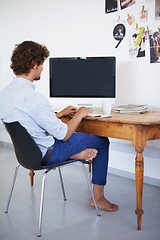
x=138 y=128
x=147 y=118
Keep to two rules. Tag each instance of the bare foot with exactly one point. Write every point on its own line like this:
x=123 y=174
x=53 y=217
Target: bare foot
x=87 y=154
x=104 y=204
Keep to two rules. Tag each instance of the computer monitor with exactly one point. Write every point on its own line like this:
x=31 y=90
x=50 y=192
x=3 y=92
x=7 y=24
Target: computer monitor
x=88 y=80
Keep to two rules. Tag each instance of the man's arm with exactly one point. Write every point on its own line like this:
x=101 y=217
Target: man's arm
x=75 y=121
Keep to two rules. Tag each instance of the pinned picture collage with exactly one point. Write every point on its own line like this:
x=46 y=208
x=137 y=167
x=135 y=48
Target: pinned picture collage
x=138 y=35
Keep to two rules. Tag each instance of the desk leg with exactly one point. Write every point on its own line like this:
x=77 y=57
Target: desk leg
x=139 y=171
x=31 y=174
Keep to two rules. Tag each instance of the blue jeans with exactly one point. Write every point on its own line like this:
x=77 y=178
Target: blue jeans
x=78 y=142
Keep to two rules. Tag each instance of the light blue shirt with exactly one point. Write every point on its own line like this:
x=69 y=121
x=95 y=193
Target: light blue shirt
x=19 y=101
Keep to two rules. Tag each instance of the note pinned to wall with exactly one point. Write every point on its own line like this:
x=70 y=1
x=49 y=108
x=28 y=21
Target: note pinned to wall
x=157 y=9
x=137 y=42
x=130 y=19
x=126 y=3
x=111 y=6
x=119 y=33
x=154 y=41
x=143 y=14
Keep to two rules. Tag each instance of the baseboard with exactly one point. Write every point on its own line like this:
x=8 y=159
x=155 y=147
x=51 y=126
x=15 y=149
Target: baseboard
x=129 y=175
x=148 y=152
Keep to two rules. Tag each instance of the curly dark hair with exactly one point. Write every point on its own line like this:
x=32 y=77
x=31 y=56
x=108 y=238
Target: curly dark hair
x=26 y=55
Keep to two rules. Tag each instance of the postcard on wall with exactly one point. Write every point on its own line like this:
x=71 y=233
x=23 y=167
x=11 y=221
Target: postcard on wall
x=157 y=10
x=143 y=14
x=119 y=33
x=126 y=3
x=130 y=19
x=154 y=41
x=111 y=6
x=137 y=42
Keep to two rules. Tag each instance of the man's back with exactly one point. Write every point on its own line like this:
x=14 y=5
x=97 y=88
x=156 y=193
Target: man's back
x=20 y=102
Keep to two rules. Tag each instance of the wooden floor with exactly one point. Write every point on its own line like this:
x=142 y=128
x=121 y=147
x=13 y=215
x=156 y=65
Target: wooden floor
x=73 y=219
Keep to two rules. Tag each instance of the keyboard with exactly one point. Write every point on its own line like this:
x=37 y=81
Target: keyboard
x=99 y=115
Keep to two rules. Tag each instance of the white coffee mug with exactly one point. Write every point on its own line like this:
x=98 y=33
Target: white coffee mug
x=106 y=106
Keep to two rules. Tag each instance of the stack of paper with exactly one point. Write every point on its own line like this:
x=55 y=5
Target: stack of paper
x=130 y=108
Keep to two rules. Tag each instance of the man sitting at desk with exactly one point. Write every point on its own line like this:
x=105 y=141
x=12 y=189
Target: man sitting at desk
x=20 y=102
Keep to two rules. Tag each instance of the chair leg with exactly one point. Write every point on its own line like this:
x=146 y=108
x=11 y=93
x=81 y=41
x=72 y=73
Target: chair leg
x=12 y=187
x=90 y=167
x=41 y=204
x=60 y=175
x=90 y=187
x=31 y=174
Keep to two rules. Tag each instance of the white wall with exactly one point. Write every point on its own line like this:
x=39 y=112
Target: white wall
x=81 y=28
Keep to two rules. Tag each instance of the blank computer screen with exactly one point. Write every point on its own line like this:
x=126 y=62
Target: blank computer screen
x=77 y=77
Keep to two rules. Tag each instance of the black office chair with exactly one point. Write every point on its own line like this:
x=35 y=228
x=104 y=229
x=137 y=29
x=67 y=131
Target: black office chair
x=29 y=156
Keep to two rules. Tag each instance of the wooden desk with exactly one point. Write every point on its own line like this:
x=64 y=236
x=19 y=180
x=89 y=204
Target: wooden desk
x=138 y=128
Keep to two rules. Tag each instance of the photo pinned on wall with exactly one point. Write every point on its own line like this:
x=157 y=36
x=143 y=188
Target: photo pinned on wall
x=111 y=6
x=137 y=42
x=130 y=19
x=126 y=3
x=119 y=33
x=143 y=14
x=154 y=41
x=157 y=10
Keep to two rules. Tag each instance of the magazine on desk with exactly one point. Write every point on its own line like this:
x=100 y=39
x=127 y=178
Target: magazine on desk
x=131 y=109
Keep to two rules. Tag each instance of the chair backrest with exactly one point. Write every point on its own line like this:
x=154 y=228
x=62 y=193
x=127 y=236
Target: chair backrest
x=27 y=152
